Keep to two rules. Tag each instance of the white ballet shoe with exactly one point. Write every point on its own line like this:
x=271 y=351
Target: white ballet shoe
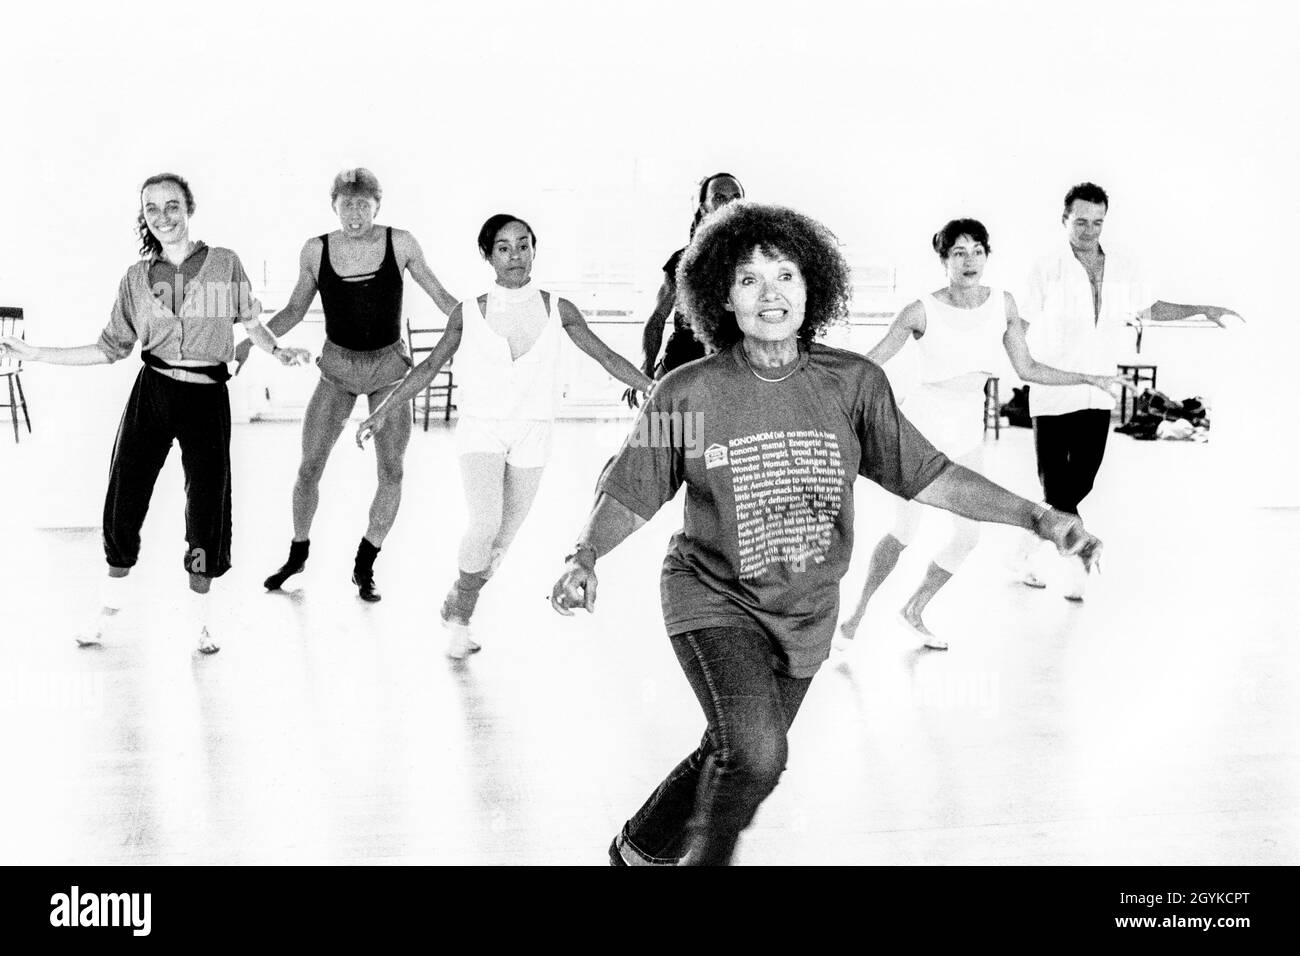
x=1074 y=578
x=206 y=644
x=928 y=639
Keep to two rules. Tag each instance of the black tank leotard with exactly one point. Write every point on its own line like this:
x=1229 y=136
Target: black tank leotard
x=363 y=312
x=682 y=346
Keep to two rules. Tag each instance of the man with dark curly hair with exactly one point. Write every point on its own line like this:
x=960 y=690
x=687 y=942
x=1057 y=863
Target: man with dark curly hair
x=767 y=435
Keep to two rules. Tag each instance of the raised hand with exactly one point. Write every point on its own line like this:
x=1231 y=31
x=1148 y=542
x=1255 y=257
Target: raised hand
x=1109 y=383
x=1215 y=314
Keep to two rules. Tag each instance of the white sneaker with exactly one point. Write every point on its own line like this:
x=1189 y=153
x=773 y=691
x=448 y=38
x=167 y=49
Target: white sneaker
x=459 y=644
x=1025 y=564
x=1074 y=578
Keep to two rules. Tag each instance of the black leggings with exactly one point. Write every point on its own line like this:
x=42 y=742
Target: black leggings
x=159 y=411
x=1069 y=449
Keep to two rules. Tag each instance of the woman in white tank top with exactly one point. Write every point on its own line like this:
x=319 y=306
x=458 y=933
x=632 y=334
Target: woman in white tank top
x=507 y=343
x=958 y=331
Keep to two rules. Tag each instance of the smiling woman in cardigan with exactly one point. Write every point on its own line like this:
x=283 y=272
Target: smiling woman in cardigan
x=180 y=302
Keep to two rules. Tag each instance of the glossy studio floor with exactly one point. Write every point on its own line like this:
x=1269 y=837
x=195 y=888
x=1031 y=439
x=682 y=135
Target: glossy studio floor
x=1156 y=723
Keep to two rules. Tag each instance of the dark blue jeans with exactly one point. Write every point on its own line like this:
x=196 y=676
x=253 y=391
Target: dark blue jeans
x=696 y=815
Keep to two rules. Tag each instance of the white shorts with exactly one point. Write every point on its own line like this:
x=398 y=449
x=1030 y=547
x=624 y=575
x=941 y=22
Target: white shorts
x=524 y=443
x=950 y=415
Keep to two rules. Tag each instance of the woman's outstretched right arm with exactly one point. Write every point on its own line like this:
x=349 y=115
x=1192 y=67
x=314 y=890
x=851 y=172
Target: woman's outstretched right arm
x=610 y=523
x=909 y=322
x=92 y=354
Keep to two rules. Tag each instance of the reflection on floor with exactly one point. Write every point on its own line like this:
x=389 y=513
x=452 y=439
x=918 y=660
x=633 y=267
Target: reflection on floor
x=1154 y=724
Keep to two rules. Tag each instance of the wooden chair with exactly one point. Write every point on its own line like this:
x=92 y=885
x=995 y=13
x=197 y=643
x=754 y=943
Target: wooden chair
x=992 y=408
x=11 y=323
x=421 y=342
x=1141 y=375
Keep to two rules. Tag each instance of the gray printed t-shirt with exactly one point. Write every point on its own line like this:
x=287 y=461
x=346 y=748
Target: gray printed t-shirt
x=768 y=469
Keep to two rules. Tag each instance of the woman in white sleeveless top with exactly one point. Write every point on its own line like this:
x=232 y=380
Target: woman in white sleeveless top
x=959 y=330
x=507 y=346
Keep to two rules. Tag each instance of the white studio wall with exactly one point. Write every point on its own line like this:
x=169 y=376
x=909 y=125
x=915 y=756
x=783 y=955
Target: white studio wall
x=883 y=119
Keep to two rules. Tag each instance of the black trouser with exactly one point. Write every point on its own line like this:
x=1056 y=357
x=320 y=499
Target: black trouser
x=159 y=411
x=712 y=795
x=1069 y=449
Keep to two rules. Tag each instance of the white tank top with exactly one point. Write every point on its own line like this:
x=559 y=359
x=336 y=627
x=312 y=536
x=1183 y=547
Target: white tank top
x=491 y=383
x=959 y=342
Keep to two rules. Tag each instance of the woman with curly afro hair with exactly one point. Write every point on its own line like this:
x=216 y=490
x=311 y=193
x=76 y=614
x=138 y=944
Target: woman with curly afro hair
x=767 y=435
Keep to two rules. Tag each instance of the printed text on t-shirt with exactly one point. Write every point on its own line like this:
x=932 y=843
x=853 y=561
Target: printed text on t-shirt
x=787 y=489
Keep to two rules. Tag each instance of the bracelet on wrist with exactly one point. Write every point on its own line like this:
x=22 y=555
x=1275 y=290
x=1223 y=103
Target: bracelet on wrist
x=275 y=349
x=580 y=549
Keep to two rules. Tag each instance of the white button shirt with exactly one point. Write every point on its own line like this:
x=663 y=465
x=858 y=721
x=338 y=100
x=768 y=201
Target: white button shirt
x=1064 y=333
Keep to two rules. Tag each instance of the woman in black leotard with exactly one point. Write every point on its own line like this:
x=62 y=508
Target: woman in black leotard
x=714 y=192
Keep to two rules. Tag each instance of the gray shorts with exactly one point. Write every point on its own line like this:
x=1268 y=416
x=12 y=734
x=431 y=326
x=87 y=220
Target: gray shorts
x=364 y=373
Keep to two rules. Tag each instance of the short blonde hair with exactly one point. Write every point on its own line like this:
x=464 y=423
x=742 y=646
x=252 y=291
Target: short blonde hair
x=356 y=182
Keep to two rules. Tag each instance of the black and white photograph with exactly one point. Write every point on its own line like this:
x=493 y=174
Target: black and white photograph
x=673 y=434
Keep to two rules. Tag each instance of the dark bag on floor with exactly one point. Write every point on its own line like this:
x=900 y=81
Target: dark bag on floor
x=1016 y=411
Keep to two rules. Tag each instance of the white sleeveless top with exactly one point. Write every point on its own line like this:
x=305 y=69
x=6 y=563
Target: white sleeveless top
x=491 y=383
x=958 y=342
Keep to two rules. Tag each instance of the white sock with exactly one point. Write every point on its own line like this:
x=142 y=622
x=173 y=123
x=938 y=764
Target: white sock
x=114 y=593
x=198 y=610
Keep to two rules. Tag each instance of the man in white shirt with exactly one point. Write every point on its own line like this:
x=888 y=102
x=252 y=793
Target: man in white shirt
x=1079 y=302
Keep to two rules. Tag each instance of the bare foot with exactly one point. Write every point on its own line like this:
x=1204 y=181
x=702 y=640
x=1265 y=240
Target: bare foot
x=914 y=623
x=843 y=639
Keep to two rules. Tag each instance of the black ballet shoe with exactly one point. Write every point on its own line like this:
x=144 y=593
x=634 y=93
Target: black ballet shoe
x=365 y=582
x=296 y=562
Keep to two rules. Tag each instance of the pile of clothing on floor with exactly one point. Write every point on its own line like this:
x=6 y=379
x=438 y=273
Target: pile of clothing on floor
x=1159 y=416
